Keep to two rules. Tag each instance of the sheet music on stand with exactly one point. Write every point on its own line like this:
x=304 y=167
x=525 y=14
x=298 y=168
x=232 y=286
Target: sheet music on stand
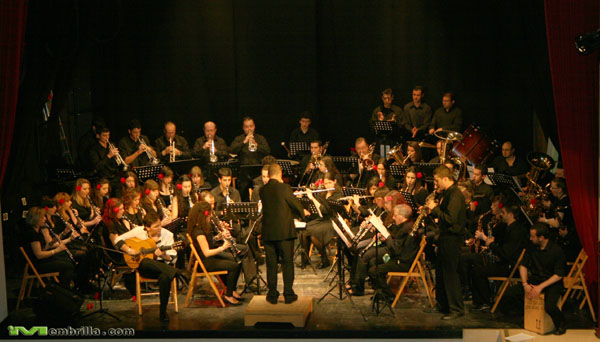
x=384 y=128
x=298 y=146
x=346 y=165
x=507 y=180
x=427 y=169
x=174 y=226
x=213 y=168
x=378 y=223
x=398 y=171
x=309 y=205
x=338 y=226
x=147 y=172
x=410 y=200
x=286 y=167
x=354 y=191
x=242 y=210
x=67 y=173
x=337 y=207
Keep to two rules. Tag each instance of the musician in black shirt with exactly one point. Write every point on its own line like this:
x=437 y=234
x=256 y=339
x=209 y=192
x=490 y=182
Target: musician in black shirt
x=134 y=147
x=211 y=144
x=448 y=117
x=102 y=157
x=304 y=133
x=452 y=216
x=164 y=148
x=417 y=114
x=508 y=163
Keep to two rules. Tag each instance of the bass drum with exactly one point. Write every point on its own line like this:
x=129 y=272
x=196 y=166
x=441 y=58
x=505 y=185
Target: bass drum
x=476 y=146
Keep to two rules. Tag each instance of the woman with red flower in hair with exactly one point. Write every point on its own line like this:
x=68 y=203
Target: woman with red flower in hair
x=185 y=197
x=413 y=151
x=100 y=193
x=385 y=176
x=165 y=183
x=82 y=206
x=152 y=202
x=326 y=165
x=214 y=257
x=128 y=180
x=413 y=184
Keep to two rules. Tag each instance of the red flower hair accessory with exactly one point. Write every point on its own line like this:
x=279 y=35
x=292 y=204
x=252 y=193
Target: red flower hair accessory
x=380 y=184
x=533 y=202
x=140 y=195
x=78 y=188
x=98 y=186
x=500 y=205
x=190 y=175
x=179 y=186
x=475 y=203
x=374 y=167
x=206 y=212
x=147 y=192
x=116 y=210
x=352 y=149
x=389 y=198
x=61 y=201
x=46 y=208
x=319 y=182
x=419 y=175
x=123 y=180
x=161 y=176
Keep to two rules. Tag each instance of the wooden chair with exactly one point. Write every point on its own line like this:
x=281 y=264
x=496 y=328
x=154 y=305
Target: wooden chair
x=575 y=281
x=27 y=277
x=506 y=281
x=139 y=294
x=202 y=273
x=417 y=269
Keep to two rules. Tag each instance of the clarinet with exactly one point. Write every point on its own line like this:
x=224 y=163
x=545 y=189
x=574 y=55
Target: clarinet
x=54 y=236
x=361 y=233
x=233 y=248
x=79 y=223
x=94 y=207
x=67 y=225
x=371 y=244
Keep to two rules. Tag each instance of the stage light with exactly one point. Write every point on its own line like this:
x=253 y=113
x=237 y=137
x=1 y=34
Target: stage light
x=587 y=43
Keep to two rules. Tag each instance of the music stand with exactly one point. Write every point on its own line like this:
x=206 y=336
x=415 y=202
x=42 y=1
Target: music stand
x=242 y=210
x=506 y=180
x=67 y=173
x=427 y=169
x=182 y=167
x=410 y=200
x=174 y=225
x=286 y=167
x=398 y=171
x=258 y=277
x=213 y=168
x=336 y=206
x=148 y=172
x=383 y=128
x=298 y=147
x=354 y=191
x=346 y=165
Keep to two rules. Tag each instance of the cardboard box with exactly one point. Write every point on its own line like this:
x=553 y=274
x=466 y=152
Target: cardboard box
x=536 y=319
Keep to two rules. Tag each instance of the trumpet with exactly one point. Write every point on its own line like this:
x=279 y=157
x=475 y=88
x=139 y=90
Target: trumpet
x=172 y=154
x=252 y=145
x=120 y=161
x=151 y=157
x=212 y=157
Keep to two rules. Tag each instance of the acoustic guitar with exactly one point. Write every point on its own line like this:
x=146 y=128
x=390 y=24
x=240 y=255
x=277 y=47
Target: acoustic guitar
x=146 y=249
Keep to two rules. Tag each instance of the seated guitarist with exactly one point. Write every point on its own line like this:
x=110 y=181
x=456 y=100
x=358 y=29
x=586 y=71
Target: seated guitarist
x=150 y=268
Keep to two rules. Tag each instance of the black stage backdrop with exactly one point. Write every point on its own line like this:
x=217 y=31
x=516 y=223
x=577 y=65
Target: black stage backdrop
x=193 y=61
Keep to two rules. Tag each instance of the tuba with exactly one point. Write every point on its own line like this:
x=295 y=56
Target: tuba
x=396 y=154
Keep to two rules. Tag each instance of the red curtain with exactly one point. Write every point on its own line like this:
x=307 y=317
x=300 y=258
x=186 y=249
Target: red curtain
x=13 y=17
x=575 y=88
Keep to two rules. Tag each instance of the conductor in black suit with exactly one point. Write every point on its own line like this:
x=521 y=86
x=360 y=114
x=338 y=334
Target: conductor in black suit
x=279 y=233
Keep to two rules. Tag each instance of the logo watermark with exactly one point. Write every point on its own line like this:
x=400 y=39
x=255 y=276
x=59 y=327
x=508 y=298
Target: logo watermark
x=68 y=331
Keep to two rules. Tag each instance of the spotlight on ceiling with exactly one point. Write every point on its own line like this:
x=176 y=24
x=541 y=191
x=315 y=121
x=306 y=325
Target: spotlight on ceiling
x=587 y=43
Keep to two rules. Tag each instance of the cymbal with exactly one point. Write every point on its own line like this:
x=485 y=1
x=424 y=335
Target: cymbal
x=422 y=144
x=448 y=135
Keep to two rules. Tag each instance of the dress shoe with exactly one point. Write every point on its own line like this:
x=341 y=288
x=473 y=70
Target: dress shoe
x=272 y=299
x=355 y=292
x=484 y=308
x=231 y=302
x=560 y=331
x=163 y=317
x=291 y=298
x=452 y=316
x=435 y=309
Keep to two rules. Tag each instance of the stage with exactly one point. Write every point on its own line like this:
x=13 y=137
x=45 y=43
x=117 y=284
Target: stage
x=331 y=318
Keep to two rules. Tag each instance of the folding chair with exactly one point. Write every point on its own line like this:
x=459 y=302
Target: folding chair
x=27 y=277
x=506 y=281
x=419 y=273
x=203 y=273
x=575 y=280
x=139 y=294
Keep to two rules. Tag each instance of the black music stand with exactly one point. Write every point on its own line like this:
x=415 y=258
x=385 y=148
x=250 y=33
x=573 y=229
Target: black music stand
x=354 y=191
x=148 y=172
x=241 y=210
x=346 y=165
x=410 y=200
x=308 y=204
x=298 y=148
x=384 y=128
x=398 y=171
x=174 y=225
x=257 y=276
x=286 y=167
x=506 y=180
x=67 y=173
x=378 y=296
x=427 y=169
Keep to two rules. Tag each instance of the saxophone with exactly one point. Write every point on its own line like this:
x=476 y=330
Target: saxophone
x=424 y=212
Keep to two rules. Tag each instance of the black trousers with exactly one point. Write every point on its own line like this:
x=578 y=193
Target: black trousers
x=153 y=269
x=366 y=262
x=447 y=286
x=514 y=297
x=481 y=286
x=379 y=274
x=224 y=261
x=284 y=250
x=58 y=263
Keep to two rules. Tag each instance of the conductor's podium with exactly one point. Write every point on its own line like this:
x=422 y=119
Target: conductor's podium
x=261 y=311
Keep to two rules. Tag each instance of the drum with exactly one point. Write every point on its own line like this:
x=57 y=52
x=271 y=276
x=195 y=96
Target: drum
x=476 y=146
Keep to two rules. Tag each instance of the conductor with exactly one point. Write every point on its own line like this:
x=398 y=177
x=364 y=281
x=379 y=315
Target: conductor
x=279 y=233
